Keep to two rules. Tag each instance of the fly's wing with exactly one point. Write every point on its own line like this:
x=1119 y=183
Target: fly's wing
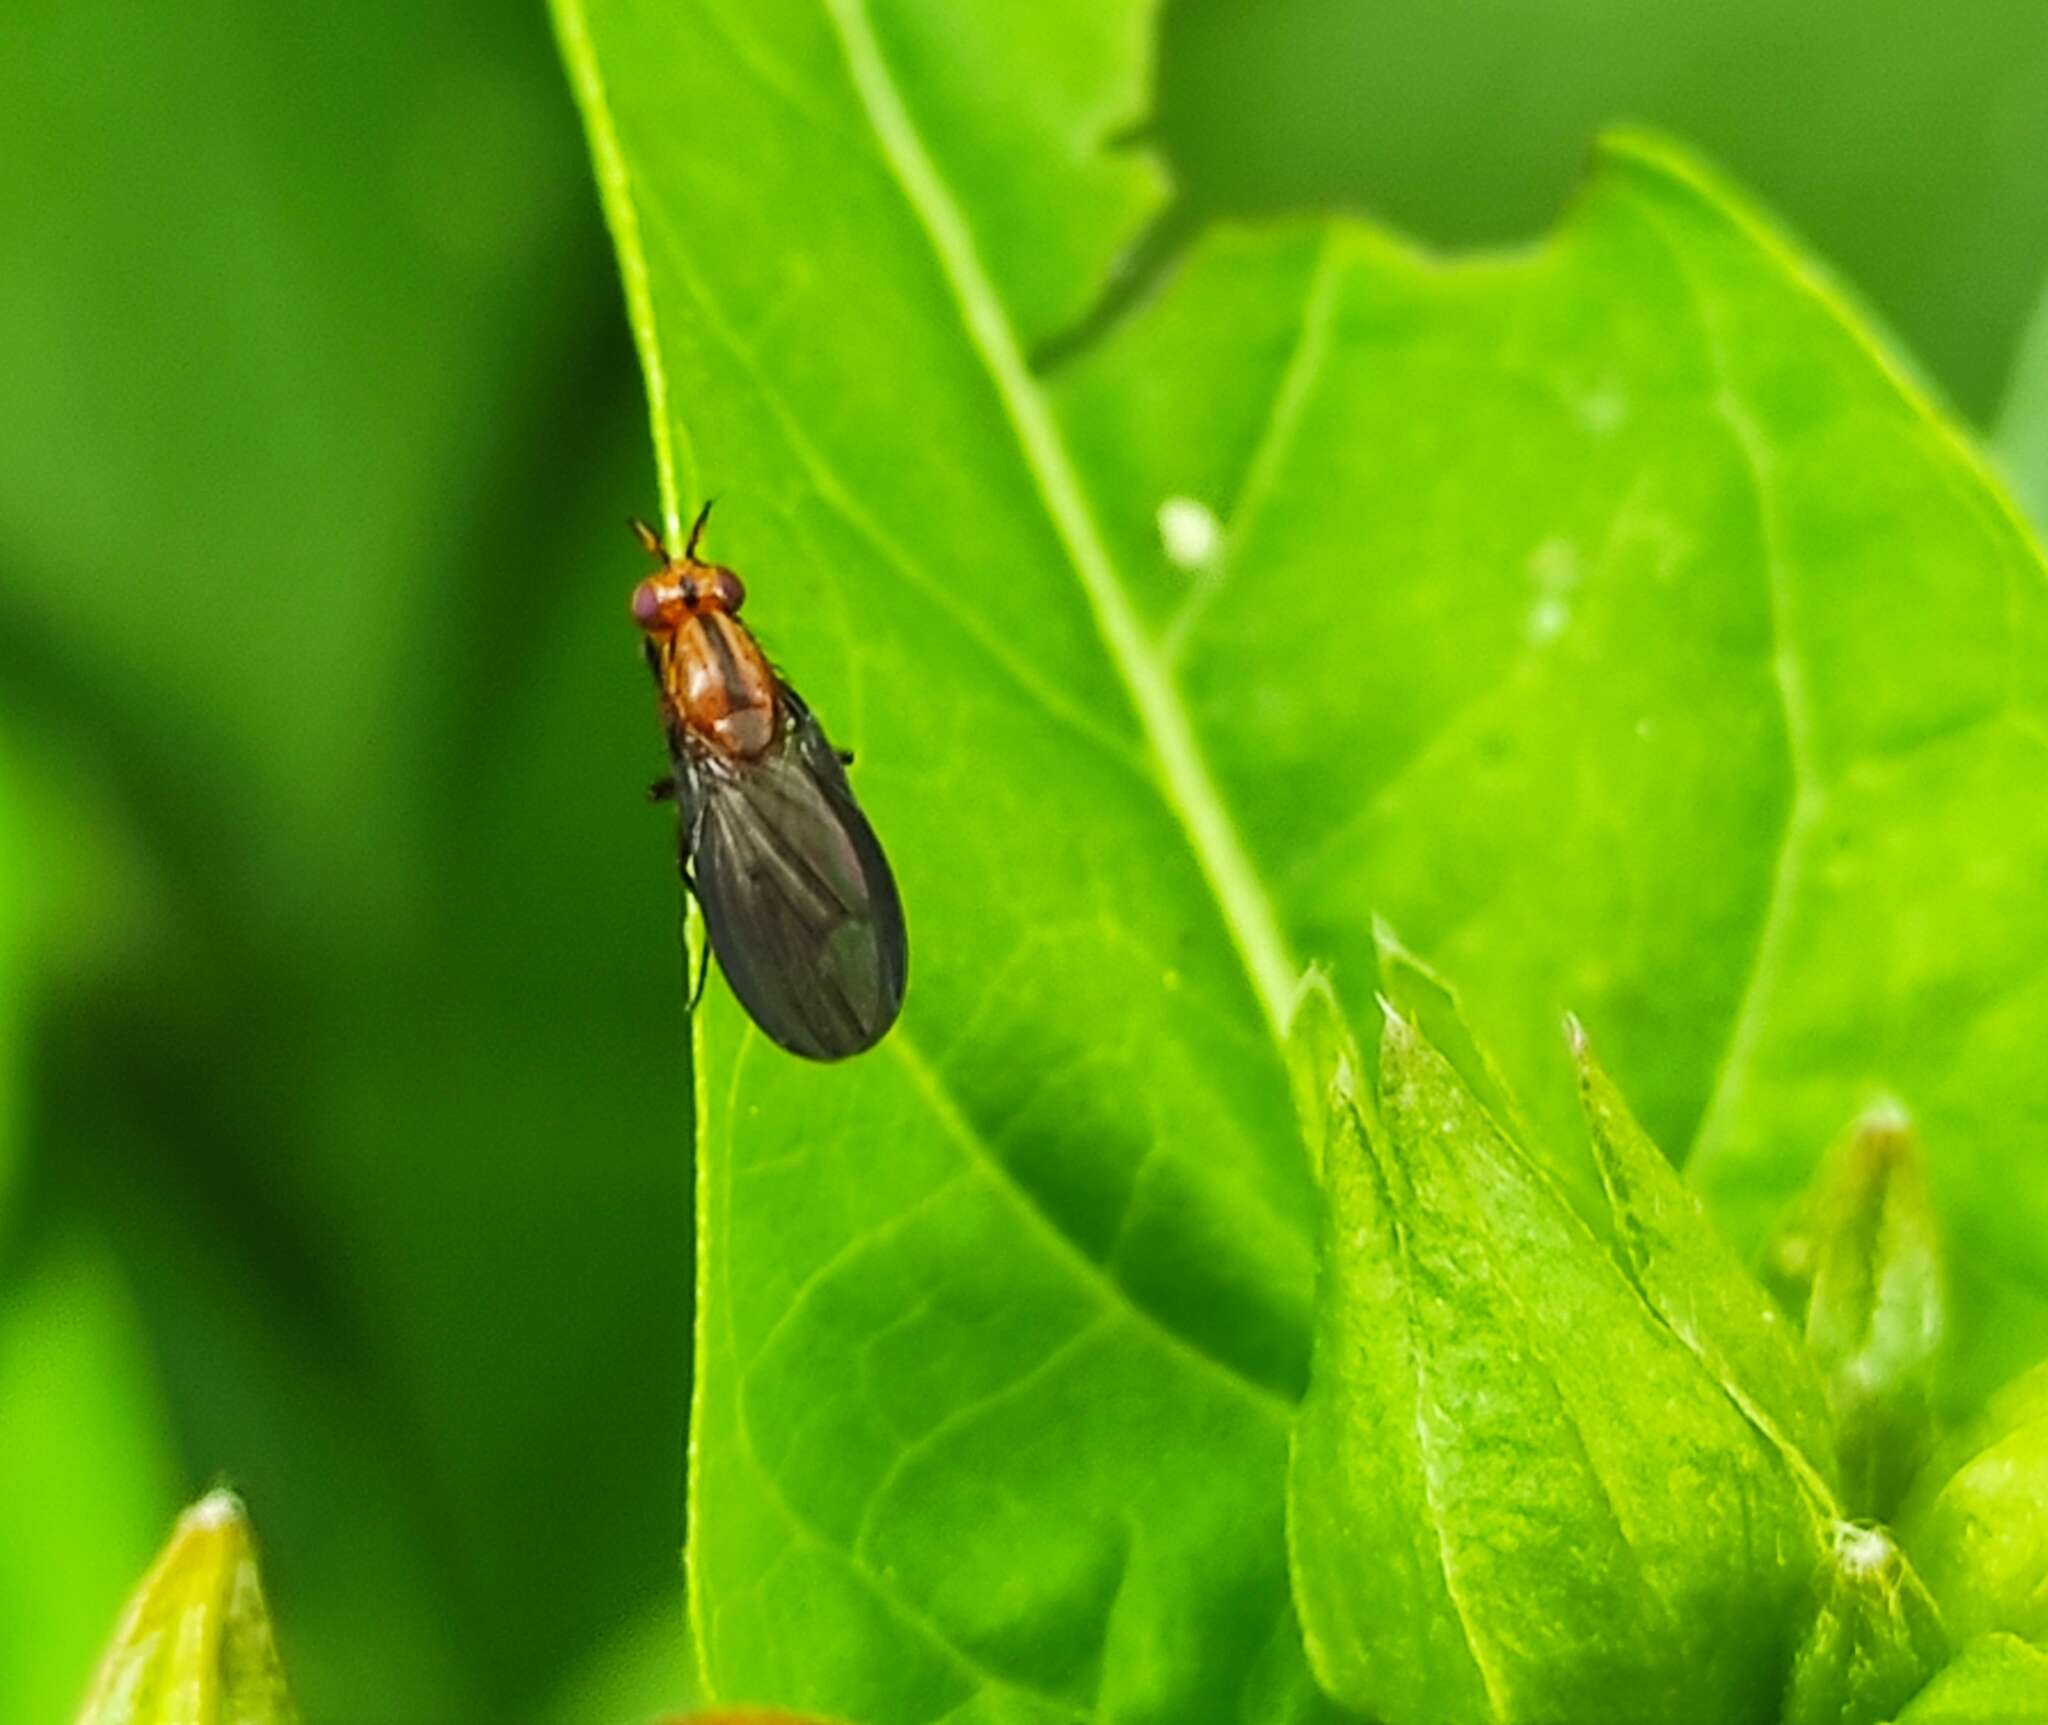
x=798 y=898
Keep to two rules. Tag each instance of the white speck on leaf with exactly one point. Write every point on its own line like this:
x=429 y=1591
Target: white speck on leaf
x=1555 y=570
x=1190 y=533
x=1546 y=621
x=1604 y=410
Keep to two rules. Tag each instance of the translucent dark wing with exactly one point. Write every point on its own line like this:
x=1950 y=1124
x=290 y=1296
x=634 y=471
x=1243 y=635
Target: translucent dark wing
x=798 y=898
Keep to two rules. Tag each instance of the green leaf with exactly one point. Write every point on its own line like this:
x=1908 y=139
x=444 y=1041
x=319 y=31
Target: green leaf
x=1324 y=1066
x=1421 y=992
x=1995 y=1680
x=1691 y=1278
x=1517 y=1488
x=1876 y=1641
x=1860 y=1255
x=195 y=1645
x=1504 y=599
x=1977 y=1523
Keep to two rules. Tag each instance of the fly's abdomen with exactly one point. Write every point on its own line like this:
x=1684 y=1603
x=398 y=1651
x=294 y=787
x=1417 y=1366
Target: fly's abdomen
x=801 y=906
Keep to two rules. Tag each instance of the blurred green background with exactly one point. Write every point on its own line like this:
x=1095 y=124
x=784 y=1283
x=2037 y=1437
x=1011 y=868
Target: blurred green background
x=343 y=1088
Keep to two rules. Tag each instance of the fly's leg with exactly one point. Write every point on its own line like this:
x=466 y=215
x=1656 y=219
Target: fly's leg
x=696 y=989
x=662 y=791
x=703 y=977
x=686 y=848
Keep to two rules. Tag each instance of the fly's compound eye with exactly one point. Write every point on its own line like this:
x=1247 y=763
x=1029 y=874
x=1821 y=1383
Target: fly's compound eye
x=650 y=599
x=720 y=590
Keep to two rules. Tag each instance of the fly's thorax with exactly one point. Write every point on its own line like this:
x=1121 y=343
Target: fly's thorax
x=720 y=686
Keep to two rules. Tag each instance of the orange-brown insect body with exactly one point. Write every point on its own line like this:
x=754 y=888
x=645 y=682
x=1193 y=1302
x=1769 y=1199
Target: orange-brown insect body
x=720 y=693
x=799 y=904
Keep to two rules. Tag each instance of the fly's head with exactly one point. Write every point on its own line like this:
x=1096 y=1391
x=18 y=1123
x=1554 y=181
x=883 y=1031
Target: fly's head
x=664 y=602
x=682 y=588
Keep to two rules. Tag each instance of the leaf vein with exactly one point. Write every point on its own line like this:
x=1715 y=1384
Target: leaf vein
x=891 y=1601
x=1107 y=1288
x=1059 y=1355
x=845 y=1253
x=1248 y=914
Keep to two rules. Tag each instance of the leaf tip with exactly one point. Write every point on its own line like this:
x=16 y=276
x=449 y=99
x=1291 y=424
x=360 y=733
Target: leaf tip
x=1575 y=1039
x=218 y=1509
x=195 y=1638
x=1312 y=989
x=212 y=1535
x=1886 y=1125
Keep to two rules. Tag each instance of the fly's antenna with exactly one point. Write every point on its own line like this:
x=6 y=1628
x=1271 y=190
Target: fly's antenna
x=648 y=538
x=697 y=530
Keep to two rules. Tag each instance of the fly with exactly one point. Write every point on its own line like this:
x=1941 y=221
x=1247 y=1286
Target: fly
x=798 y=899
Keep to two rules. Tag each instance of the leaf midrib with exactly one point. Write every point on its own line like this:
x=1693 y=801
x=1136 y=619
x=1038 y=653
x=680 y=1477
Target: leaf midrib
x=1184 y=781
